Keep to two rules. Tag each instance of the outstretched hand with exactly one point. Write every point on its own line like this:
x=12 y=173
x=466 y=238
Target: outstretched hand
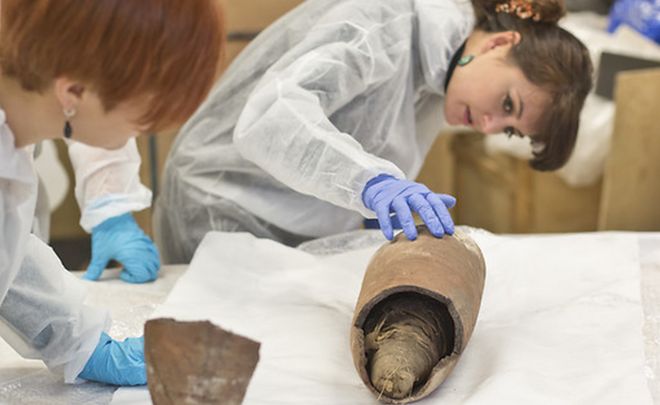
x=386 y=195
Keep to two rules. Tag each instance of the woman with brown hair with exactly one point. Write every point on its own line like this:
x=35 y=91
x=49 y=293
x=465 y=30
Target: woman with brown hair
x=96 y=72
x=323 y=117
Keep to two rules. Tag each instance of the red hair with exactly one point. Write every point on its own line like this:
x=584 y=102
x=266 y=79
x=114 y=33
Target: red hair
x=166 y=52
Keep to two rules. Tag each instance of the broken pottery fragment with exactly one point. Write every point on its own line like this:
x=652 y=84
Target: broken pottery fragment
x=197 y=363
x=415 y=314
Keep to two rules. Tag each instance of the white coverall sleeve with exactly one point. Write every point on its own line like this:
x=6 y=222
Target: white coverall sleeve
x=284 y=127
x=107 y=182
x=43 y=317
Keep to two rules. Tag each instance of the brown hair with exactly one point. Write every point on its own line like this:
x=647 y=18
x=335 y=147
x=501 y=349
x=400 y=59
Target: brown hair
x=163 y=51
x=551 y=58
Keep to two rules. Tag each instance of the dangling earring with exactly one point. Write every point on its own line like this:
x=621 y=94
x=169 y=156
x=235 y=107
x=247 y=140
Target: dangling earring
x=68 y=130
x=465 y=60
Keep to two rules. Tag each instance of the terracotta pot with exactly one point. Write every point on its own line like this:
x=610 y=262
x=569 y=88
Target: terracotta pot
x=450 y=271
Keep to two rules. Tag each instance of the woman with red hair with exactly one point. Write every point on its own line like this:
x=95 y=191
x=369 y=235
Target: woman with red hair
x=96 y=72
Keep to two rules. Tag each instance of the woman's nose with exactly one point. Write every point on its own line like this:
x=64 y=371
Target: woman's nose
x=493 y=124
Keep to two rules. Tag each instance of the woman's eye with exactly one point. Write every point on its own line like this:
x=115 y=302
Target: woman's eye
x=508 y=104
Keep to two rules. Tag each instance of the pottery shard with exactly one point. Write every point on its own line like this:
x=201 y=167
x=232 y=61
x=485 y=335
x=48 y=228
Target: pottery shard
x=197 y=363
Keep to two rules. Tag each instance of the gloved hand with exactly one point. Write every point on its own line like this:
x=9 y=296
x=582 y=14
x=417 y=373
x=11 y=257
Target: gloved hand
x=117 y=363
x=120 y=238
x=385 y=194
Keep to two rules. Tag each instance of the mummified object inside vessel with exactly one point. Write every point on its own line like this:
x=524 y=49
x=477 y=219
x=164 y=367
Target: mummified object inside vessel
x=415 y=314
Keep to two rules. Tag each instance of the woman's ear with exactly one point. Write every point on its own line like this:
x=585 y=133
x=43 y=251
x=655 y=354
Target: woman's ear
x=498 y=39
x=69 y=93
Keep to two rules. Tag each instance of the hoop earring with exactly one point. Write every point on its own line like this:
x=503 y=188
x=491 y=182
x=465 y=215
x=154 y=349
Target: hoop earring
x=68 y=130
x=465 y=60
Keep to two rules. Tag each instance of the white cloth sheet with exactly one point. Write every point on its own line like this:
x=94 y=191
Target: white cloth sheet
x=561 y=320
x=28 y=382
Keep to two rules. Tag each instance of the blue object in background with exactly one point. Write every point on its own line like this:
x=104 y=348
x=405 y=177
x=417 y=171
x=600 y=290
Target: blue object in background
x=641 y=15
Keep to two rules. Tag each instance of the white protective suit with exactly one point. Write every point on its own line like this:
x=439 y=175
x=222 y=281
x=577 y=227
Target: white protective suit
x=329 y=96
x=107 y=185
x=107 y=182
x=42 y=315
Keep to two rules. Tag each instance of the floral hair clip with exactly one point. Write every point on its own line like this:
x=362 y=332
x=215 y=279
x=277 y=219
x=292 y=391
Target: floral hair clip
x=523 y=9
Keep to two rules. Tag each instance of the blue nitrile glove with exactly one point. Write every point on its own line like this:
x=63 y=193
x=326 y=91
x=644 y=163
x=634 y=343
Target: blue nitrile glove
x=385 y=194
x=120 y=238
x=117 y=363
x=372 y=223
